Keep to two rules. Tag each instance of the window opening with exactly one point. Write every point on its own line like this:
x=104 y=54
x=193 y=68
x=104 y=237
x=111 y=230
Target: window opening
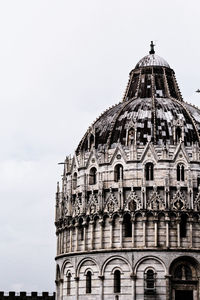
x=131 y=134
x=93 y=176
x=118 y=173
x=69 y=283
x=149 y=172
x=127 y=226
x=75 y=181
x=89 y=282
x=91 y=141
x=178 y=134
x=117 y=281
x=150 y=282
x=180 y=172
x=81 y=229
x=183 y=226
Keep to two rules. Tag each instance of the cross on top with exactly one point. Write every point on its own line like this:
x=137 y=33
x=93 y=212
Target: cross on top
x=152 y=51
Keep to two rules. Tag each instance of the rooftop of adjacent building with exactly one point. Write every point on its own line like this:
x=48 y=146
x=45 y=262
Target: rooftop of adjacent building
x=12 y=295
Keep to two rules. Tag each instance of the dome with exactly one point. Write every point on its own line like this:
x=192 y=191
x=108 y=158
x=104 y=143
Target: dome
x=151 y=125
x=152 y=107
x=152 y=60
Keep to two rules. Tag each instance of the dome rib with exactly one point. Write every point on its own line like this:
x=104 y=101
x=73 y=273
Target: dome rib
x=114 y=122
x=154 y=108
x=189 y=115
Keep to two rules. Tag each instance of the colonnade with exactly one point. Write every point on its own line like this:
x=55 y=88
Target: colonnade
x=74 y=238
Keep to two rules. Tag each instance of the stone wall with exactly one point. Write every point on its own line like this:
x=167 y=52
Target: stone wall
x=133 y=267
x=26 y=296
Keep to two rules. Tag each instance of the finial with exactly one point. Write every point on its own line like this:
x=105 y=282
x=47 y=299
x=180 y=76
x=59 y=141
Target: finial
x=58 y=187
x=152 y=51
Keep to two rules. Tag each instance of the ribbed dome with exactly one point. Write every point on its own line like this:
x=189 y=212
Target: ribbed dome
x=152 y=60
x=152 y=108
x=156 y=126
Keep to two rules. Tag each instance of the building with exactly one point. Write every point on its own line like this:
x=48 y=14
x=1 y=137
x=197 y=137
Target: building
x=127 y=214
x=26 y=296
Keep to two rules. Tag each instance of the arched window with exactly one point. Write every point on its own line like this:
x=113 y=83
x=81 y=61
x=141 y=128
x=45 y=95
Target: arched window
x=180 y=172
x=75 y=180
x=127 y=226
x=118 y=173
x=178 y=134
x=150 y=281
x=69 y=283
x=183 y=226
x=93 y=176
x=91 y=141
x=149 y=171
x=89 y=282
x=131 y=135
x=117 y=281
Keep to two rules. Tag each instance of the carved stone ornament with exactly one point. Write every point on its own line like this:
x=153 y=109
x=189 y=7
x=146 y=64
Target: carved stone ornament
x=179 y=202
x=76 y=206
x=65 y=209
x=111 y=203
x=133 y=202
x=155 y=202
x=92 y=206
x=197 y=202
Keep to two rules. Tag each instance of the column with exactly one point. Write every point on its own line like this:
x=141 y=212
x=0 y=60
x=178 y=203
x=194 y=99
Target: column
x=156 y=232
x=70 y=238
x=60 y=242
x=167 y=231
x=191 y=231
x=84 y=236
x=61 y=289
x=66 y=236
x=57 y=242
x=133 y=233
x=111 y=233
x=144 y=231
x=92 y=235
x=76 y=228
x=121 y=233
x=57 y=289
x=133 y=276
x=101 y=295
x=63 y=240
x=178 y=233
x=168 y=277
x=77 y=287
x=101 y=233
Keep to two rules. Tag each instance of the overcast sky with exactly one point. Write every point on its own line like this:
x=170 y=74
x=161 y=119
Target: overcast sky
x=61 y=64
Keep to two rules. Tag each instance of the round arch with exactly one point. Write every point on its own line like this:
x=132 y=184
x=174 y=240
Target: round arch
x=149 y=257
x=82 y=262
x=189 y=259
x=112 y=258
x=64 y=265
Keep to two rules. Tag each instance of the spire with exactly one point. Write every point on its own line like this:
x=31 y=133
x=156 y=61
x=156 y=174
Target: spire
x=152 y=51
x=58 y=187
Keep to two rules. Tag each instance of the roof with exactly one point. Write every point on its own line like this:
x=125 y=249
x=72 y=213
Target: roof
x=152 y=108
x=152 y=60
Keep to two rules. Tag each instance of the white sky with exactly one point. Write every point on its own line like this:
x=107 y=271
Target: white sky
x=61 y=64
